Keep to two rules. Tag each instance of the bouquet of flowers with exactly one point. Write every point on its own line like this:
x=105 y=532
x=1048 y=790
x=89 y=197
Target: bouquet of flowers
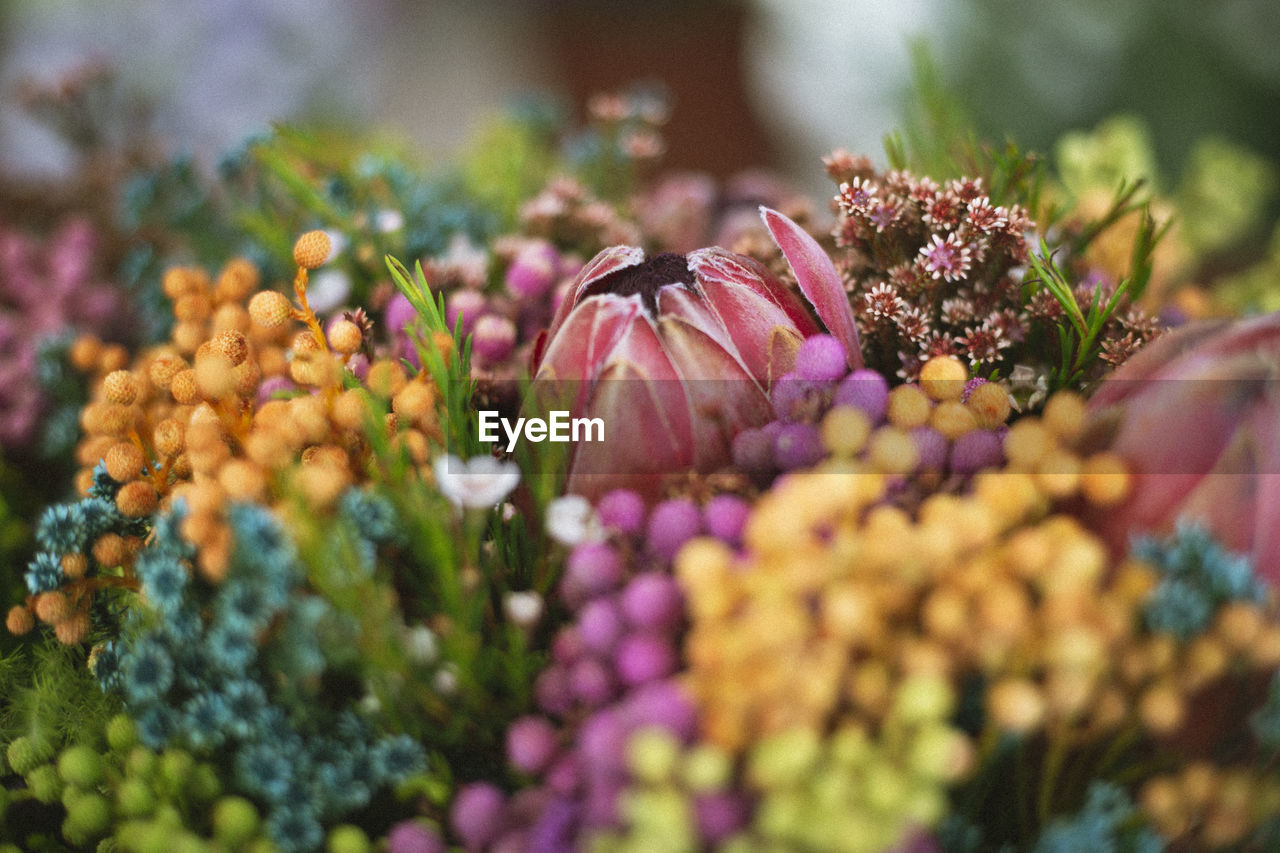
x=552 y=503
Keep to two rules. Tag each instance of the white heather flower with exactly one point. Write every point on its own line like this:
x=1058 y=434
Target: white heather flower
x=478 y=483
x=388 y=221
x=327 y=289
x=420 y=644
x=571 y=521
x=523 y=608
x=370 y=704
x=445 y=680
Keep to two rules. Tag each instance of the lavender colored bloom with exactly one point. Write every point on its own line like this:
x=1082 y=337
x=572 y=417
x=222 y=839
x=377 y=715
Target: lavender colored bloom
x=531 y=744
x=821 y=358
x=411 y=836
x=976 y=450
x=725 y=516
x=673 y=523
x=798 y=445
x=623 y=510
x=866 y=390
x=476 y=814
x=653 y=601
x=931 y=447
x=644 y=657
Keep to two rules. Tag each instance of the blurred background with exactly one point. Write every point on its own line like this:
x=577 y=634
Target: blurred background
x=753 y=82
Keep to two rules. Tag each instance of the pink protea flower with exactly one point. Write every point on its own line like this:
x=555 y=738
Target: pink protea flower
x=676 y=354
x=1197 y=416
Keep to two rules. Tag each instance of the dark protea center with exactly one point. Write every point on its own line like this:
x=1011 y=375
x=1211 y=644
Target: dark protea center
x=646 y=279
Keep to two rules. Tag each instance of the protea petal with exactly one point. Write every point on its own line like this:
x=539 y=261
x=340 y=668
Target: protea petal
x=819 y=280
x=715 y=264
x=575 y=357
x=605 y=262
x=693 y=309
x=723 y=398
x=750 y=320
x=648 y=427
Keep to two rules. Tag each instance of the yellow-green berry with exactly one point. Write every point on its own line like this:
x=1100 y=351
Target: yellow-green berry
x=27 y=752
x=235 y=821
x=44 y=784
x=122 y=734
x=783 y=759
x=81 y=766
x=175 y=768
x=347 y=839
x=652 y=755
x=204 y=784
x=140 y=762
x=88 y=816
x=706 y=768
x=134 y=798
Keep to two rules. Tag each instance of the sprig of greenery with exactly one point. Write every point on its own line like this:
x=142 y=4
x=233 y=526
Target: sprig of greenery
x=451 y=372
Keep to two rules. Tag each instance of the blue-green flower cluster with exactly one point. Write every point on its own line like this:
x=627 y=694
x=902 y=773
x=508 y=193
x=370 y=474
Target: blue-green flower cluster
x=1109 y=821
x=1198 y=577
x=232 y=671
x=71 y=528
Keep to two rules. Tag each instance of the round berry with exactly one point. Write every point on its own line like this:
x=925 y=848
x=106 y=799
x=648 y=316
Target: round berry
x=653 y=600
x=476 y=814
x=725 y=516
x=81 y=766
x=269 y=309
x=312 y=249
x=821 y=358
x=623 y=510
x=798 y=445
x=235 y=821
x=644 y=657
x=600 y=625
x=531 y=744
x=412 y=836
x=973 y=451
x=931 y=447
x=866 y=390
x=671 y=524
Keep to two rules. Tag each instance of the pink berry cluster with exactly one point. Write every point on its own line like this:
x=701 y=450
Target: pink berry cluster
x=47 y=286
x=609 y=678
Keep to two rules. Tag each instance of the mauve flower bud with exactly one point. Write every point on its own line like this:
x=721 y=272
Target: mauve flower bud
x=476 y=814
x=493 y=339
x=622 y=510
x=468 y=304
x=821 y=358
x=533 y=270
x=866 y=390
x=672 y=523
x=411 y=836
x=531 y=744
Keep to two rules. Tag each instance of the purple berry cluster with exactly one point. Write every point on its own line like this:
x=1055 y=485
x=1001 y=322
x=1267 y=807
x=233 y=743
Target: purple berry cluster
x=610 y=676
x=938 y=428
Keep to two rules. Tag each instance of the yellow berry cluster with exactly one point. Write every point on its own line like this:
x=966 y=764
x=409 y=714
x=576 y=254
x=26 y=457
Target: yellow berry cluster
x=840 y=598
x=184 y=419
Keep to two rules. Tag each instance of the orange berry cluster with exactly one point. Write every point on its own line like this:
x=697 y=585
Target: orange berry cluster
x=1202 y=807
x=184 y=419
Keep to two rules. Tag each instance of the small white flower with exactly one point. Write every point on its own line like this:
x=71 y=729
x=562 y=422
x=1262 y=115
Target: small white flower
x=387 y=221
x=445 y=680
x=420 y=644
x=328 y=289
x=370 y=704
x=571 y=521
x=478 y=483
x=523 y=608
